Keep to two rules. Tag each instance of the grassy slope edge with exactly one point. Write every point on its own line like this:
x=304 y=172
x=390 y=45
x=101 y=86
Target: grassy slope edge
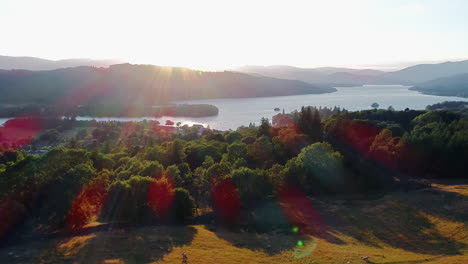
x=424 y=226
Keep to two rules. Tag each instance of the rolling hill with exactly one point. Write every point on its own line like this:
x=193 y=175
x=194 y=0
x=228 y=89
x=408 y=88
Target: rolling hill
x=146 y=84
x=350 y=77
x=426 y=72
x=448 y=86
x=424 y=226
x=325 y=75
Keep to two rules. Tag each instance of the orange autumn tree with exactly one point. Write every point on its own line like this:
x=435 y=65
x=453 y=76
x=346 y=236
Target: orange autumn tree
x=161 y=196
x=88 y=204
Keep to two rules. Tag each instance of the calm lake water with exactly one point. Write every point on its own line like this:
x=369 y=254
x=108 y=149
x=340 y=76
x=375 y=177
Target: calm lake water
x=237 y=112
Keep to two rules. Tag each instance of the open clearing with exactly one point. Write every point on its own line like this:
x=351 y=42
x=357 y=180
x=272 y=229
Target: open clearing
x=423 y=226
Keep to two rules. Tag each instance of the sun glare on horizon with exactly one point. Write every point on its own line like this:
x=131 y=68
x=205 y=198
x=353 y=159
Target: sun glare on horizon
x=227 y=131
x=222 y=34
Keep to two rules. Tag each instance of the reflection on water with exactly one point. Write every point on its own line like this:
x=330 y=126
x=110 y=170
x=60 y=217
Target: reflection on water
x=237 y=112
x=3 y=120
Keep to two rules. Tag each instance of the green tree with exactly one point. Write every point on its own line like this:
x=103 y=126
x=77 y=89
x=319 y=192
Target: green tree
x=174 y=173
x=236 y=151
x=265 y=128
x=218 y=171
x=318 y=168
x=209 y=161
x=261 y=151
x=233 y=136
x=152 y=169
x=251 y=185
x=183 y=205
x=384 y=148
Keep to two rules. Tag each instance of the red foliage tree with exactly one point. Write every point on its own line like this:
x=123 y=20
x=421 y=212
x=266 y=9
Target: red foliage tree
x=226 y=200
x=161 y=196
x=87 y=205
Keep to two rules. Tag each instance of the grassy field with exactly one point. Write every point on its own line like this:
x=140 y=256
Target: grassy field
x=424 y=226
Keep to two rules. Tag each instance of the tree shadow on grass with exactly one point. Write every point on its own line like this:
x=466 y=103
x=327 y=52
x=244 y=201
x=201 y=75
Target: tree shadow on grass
x=399 y=220
x=425 y=260
x=435 y=201
x=128 y=245
x=398 y=224
x=269 y=229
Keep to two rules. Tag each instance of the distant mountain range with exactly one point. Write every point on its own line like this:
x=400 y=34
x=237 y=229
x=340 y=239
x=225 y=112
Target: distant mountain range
x=38 y=64
x=426 y=72
x=448 y=86
x=143 y=84
x=329 y=75
x=348 y=77
x=441 y=78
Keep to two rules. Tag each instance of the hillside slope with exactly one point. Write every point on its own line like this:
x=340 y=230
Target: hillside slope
x=328 y=75
x=449 y=86
x=344 y=76
x=147 y=84
x=426 y=72
x=424 y=226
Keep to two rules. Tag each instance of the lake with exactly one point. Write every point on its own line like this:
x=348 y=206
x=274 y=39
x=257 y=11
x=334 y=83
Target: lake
x=237 y=112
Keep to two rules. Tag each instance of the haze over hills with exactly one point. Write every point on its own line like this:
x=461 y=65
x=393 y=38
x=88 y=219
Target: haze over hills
x=345 y=76
x=330 y=75
x=147 y=84
x=331 y=70
x=454 y=86
x=426 y=72
x=322 y=78
x=38 y=64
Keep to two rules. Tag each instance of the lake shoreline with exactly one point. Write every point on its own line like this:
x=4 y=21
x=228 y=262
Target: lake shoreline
x=234 y=113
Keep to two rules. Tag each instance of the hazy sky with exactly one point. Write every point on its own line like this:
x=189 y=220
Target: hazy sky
x=217 y=34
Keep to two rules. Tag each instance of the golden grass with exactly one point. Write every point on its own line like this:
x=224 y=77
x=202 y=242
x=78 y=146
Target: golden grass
x=73 y=245
x=390 y=230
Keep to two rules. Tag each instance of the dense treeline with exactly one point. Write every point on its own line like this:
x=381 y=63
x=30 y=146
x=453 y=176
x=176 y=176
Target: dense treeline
x=132 y=172
x=110 y=110
x=453 y=106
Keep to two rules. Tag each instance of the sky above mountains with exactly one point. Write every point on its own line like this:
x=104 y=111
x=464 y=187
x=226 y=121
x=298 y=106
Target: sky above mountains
x=223 y=34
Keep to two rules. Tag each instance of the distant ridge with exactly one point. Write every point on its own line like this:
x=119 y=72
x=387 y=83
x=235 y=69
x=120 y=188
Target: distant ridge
x=456 y=85
x=145 y=84
x=329 y=75
x=38 y=64
x=426 y=72
x=319 y=77
x=349 y=77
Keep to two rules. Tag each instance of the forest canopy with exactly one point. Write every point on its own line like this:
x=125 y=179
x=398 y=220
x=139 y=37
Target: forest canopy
x=132 y=172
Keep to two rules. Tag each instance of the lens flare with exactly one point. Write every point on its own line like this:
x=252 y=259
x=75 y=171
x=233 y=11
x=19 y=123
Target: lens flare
x=161 y=195
x=86 y=205
x=18 y=132
x=299 y=210
x=304 y=248
x=226 y=201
